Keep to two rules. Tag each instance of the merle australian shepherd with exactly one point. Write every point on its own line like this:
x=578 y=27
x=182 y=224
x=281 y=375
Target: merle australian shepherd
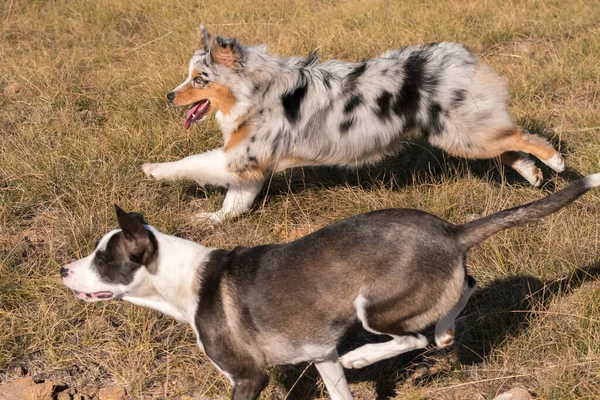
x=277 y=113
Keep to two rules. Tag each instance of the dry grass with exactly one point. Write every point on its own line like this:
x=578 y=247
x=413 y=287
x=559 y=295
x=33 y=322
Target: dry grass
x=82 y=106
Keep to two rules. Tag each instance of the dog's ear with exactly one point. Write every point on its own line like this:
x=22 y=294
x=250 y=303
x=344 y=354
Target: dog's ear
x=205 y=39
x=138 y=241
x=227 y=52
x=131 y=226
x=138 y=217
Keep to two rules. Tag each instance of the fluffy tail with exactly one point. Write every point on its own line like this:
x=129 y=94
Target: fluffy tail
x=477 y=231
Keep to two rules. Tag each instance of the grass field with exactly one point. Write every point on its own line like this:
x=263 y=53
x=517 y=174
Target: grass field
x=82 y=106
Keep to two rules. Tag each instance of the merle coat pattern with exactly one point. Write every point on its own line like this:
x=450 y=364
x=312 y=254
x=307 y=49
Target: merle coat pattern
x=276 y=113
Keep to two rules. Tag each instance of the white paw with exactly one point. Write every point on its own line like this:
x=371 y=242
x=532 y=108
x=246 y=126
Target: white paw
x=350 y=361
x=214 y=218
x=445 y=339
x=555 y=162
x=160 y=171
x=534 y=177
x=529 y=171
x=151 y=170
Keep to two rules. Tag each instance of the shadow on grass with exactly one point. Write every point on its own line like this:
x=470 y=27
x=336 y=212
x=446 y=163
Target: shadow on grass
x=502 y=309
x=417 y=162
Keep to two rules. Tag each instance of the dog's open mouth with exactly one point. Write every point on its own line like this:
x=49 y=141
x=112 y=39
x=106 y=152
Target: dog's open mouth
x=93 y=296
x=196 y=112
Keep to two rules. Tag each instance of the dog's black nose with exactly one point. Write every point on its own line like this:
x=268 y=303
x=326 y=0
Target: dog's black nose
x=63 y=272
x=170 y=96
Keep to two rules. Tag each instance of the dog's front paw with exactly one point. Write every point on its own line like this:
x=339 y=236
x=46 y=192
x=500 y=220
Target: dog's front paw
x=157 y=171
x=214 y=218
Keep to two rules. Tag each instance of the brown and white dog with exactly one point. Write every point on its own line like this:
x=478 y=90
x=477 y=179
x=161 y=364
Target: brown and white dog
x=276 y=113
x=394 y=271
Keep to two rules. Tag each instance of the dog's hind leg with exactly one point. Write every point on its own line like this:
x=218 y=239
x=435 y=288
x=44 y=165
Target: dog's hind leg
x=508 y=144
x=402 y=341
x=373 y=352
x=332 y=373
x=444 y=328
x=537 y=146
x=524 y=165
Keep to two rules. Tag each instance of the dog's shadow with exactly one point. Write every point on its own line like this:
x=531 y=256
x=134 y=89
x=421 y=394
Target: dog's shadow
x=503 y=308
x=418 y=161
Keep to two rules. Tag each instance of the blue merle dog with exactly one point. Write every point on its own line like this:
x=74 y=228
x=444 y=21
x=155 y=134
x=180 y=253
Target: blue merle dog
x=282 y=112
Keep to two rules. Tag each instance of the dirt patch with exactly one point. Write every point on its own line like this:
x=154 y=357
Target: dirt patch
x=26 y=388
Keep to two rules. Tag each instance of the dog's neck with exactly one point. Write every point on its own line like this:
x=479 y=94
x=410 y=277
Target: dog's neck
x=231 y=121
x=173 y=288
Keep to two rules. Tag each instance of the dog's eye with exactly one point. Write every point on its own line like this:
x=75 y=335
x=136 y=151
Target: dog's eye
x=199 y=81
x=101 y=256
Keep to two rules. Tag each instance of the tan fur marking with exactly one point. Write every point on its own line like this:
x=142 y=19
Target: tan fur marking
x=509 y=158
x=528 y=143
x=222 y=55
x=503 y=140
x=237 y=136
x=252 y=174
x=291 y=162
x=220 y=97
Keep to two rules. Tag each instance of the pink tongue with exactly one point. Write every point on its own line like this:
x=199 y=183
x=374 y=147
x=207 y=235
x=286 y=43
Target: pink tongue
x=194 y=111
x=97 y=295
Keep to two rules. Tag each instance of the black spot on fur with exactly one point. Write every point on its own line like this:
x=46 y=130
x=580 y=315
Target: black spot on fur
x=354 y=101
x=276 y=143
x=352 y=78
x=292 y=100
x=407 y=101
x=346 y=125
x=327 y=81
x=435 y=124
x=384 y=103
x=253 y=139
x=311 y=59
x=253 y=160
x=458 y=97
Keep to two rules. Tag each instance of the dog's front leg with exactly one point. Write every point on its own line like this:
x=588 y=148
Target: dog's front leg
x=332 y=373
x=211 y=168
x=208 y=168
x=248 y=388
x=238 y=200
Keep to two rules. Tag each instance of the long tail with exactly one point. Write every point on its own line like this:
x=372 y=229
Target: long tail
x=477 y=231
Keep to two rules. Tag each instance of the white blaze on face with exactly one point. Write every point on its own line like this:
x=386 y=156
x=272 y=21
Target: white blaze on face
x=191 y=67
